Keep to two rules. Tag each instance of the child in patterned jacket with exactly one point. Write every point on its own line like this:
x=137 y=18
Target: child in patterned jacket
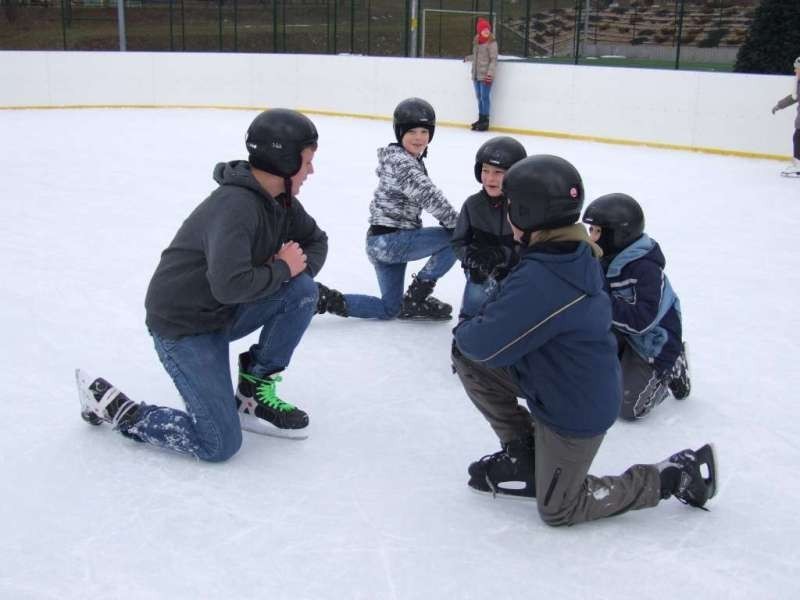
x=646 y=310
x=396 y=235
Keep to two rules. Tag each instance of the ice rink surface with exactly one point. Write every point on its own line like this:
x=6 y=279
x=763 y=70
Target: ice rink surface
x=374 y=504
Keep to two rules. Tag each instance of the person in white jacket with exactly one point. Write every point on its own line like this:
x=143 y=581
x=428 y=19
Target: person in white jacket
x=396 y=235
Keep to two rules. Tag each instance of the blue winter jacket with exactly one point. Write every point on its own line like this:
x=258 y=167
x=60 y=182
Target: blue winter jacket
x=645 y=307
x=551 y=324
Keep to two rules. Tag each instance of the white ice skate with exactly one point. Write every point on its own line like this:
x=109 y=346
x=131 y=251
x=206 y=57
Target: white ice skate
x=792 y=170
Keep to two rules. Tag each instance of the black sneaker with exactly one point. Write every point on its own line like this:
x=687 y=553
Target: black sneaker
x=101 y=402
x=679 y=383
x=690 y=476
x=257 y=396
x=509 y=472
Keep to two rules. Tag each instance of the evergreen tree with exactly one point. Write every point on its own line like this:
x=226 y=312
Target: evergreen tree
x=773 y=39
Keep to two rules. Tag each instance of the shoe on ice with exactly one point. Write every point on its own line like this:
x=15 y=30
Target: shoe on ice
x=690 y=476
x=101 y=402
x=679 y=383
x=509 y=472
x=792 y=170
x=257 y=396
x=419 y=304
x=331 y=301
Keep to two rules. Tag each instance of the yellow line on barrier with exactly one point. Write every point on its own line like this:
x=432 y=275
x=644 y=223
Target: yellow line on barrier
x=455 y=124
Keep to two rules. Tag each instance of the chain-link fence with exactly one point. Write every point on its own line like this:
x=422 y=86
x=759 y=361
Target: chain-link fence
x=692 y=33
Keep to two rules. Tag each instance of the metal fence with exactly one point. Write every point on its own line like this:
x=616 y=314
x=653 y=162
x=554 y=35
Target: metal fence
x=684 y=31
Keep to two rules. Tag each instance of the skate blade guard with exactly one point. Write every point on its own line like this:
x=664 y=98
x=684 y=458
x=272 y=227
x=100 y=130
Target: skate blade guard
x=707 y=457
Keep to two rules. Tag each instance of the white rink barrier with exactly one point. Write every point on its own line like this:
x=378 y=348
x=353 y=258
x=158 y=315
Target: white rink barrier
x=723 y=113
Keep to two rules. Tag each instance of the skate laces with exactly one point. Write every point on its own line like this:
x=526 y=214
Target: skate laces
x=266 y=393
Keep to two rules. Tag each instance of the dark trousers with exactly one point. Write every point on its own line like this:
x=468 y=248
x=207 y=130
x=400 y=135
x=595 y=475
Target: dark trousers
x=796 y=143
x=565 y=493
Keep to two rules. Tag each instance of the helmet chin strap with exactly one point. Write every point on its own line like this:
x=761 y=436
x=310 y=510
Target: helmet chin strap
x=287 y=186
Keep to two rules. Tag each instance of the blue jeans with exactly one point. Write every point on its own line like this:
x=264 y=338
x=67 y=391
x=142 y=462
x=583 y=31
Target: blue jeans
x=200 y=367
x=389 y=254
x=482 y=92
x=476 y=295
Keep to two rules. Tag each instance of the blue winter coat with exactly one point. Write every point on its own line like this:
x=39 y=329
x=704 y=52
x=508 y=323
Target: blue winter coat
x=645 y=307
x=551 y=324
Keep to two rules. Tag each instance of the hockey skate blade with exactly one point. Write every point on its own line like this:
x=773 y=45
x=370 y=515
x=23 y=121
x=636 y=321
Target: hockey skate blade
x=84 y=396
x=791 y=175
x=514 y=494
x=253 y=424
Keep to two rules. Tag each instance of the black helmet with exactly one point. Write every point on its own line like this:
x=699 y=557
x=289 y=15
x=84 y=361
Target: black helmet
x=276 y=138
x=411 y=113
x=502 y=152
x=544 y=192
x=621 y=218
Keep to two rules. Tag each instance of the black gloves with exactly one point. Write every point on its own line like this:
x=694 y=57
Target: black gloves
x=482 y=260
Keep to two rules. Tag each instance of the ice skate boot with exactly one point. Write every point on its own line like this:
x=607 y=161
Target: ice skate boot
x=101 y=402
x=509 y=472
x=331 y=301
x=690 y=476
x=260 y=408
x=792 y=170
x=419 y=304
x=679 y=383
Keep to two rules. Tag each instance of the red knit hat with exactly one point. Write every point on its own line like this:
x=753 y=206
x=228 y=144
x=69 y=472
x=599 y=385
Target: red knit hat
x=482 y=25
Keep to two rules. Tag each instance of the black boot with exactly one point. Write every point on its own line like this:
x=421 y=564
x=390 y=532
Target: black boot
x=483 y=123
x=474 y=126
x=419 y=304
x=509 y=472
x=682 y=476
x=257 y=397
x=331 y=301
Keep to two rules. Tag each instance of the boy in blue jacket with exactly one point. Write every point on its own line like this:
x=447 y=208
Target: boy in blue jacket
x=645 y=309
x=546 y=337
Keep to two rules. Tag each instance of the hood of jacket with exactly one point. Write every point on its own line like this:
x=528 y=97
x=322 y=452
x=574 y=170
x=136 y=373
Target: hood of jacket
x=645 y=247
x=579 y=268
x=237 y=172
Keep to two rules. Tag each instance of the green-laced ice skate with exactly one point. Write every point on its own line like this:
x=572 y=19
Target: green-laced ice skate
x=261 y=410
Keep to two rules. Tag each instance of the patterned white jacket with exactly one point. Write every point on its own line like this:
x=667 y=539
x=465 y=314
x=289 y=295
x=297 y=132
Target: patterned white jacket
x=404 y=191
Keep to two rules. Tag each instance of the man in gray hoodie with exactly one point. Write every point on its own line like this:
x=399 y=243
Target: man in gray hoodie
x=243 y=260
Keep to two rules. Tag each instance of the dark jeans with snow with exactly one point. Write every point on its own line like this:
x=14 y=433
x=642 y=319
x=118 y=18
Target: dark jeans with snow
x=565 y=493
x=199 y=365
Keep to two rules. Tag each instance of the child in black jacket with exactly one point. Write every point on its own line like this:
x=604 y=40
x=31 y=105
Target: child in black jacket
x=482 y=239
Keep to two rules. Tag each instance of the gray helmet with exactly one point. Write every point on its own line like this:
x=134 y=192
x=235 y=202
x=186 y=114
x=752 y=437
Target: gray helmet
x=501 y=151
x=797 y=62
x=621 y=218
x=276 y=138
x=544 y=192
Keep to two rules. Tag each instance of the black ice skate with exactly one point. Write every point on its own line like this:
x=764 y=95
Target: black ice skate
x=690 y=476
x=679 y=383
x=261 y=410
x=509 y=472
x=101 y=402
x=331 y=301
x=420 y=305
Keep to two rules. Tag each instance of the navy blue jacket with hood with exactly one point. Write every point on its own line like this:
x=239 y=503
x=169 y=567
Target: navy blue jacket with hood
x=551 y=325
x=645 y=307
